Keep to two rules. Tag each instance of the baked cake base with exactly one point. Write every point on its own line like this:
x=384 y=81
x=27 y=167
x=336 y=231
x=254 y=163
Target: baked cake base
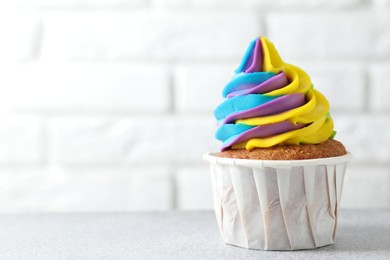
x=329 y=148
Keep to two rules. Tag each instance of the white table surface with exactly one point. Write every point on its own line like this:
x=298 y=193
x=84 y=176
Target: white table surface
x=362 y=234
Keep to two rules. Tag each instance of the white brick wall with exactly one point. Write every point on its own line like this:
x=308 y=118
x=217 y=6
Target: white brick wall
x=343 y=83
x=194 y=188
x=71 y=4
x=367 y=136
x=84 y=87
x=343 y=35
x=192 y=82
x=22 y=140
x=137 y=140
x=366 y=187
x=107 y=105
x=261 y=4
x=151 y=35
x=20 y=34
x=380 y=84
x=87 y=189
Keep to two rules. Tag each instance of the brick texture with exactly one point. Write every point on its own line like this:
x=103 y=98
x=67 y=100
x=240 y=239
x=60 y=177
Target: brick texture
x=85 y=87
x=198 y=87
x=366 y=187
x=366 y=136
x=194 y=191
x=21 y=35
x=380 y=88
x=22 y=141
x=336 y=35
x=135 y=141
x=74 y=4
x=150 y=35
x=343 y=83
x=107 y=105
x=260 y=4
x=86 y=190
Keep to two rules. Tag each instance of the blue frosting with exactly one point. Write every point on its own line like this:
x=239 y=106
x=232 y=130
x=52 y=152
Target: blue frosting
x=241 y=80
x=228 y=130
x=244 y=59
x=240 y=103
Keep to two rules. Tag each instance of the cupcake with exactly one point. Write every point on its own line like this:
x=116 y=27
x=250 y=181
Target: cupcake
x=278 y=178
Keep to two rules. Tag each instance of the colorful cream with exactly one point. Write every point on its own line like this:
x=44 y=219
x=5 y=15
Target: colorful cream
x=269 y=102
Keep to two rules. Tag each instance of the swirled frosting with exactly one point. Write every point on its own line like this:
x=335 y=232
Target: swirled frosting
x=269 y=102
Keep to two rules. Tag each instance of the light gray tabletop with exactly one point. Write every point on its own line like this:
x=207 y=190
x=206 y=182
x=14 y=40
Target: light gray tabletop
x=362 y=234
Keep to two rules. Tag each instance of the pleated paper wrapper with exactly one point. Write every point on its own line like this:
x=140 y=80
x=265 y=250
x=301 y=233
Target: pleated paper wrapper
x=277 y=205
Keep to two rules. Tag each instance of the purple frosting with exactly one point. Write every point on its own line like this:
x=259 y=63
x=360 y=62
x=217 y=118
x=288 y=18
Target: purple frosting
x=253 y=63
x=273 y=107
x=263 y=131
x=276 y=82
x=243 y=83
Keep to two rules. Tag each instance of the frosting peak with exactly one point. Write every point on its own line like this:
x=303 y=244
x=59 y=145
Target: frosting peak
x=270 y=102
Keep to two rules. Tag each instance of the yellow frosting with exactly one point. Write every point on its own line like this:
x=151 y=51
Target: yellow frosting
x=315 y=112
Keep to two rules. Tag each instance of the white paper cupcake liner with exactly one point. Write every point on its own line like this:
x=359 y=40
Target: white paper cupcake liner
x=277 y=205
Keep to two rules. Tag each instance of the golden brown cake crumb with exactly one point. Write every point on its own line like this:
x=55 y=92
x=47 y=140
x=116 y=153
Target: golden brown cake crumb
x=329 y=148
